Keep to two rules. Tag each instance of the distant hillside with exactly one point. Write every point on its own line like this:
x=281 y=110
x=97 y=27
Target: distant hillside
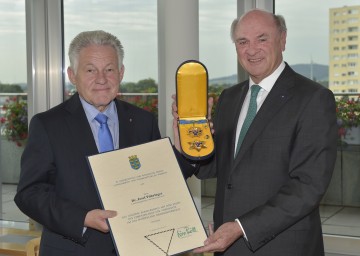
x=320 y=73
x=230 y=80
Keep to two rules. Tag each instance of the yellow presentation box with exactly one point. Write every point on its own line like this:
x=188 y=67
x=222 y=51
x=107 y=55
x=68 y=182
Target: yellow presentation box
x=192 y=93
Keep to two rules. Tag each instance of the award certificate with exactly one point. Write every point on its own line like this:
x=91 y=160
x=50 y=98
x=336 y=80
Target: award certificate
x=156 y=214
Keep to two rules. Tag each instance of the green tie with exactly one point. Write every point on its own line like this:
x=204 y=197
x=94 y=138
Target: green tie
x=250 y=115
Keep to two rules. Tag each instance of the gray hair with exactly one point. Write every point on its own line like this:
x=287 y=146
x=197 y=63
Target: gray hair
x=279 y=22
x=97 y=37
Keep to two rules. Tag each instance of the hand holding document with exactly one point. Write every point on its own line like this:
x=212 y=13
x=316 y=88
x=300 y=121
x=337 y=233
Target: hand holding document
x=156 y=213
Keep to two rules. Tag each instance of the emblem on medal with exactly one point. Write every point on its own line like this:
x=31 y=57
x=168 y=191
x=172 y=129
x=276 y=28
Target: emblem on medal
x=194 y=132
x=198 y=145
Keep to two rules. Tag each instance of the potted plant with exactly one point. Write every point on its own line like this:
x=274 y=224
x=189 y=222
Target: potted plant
x=14 y=123
x=348 y=115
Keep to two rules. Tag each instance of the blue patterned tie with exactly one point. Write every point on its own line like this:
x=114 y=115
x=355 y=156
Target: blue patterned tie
x=250 y=115
x=104 y=135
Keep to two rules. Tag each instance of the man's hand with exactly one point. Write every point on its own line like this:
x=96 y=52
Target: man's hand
x=96 y=219
x=210 y=106
x=224 y=236
x=175 y=124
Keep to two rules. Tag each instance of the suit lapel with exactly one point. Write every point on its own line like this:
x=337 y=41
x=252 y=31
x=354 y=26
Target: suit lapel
x=79 y=126
x=125 y=124
x=276 y=99
x=81 y=131
x=235 y=118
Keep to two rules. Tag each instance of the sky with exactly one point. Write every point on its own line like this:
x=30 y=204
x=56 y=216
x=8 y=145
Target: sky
x=134 y=22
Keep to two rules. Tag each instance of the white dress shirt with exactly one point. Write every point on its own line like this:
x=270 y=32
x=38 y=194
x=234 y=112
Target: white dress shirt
x=266 y=85
x=113 y=122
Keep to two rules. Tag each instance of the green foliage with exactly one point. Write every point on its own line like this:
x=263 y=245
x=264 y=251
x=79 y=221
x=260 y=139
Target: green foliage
x=217 y=88
x=14 y=123
x=214 y=92
x=348 y=112
x=149 y=103
x=10 y=88
x=144 y=86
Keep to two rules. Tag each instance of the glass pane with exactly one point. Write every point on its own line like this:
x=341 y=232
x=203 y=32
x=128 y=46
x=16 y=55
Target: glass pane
x=218 y=54
x=323 y=44
x=13 y=103
x=135 y=24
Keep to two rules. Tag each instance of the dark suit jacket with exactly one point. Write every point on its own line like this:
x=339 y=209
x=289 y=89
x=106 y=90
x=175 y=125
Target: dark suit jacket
x=282 y=170
x=56 y=188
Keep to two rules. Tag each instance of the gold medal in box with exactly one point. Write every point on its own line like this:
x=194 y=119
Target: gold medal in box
x=192 y=94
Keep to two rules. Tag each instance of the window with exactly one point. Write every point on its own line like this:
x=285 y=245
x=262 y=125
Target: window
x=219 y=47
x=353 y=56
x=352 y=38
x=352 y=73
x=326 y=21
x=352 y=64
x=217 y=53
x=353 y=20
x=353 y=11
x=353 y=47
x=13 y=98
x=353 y=29
x=135 y=24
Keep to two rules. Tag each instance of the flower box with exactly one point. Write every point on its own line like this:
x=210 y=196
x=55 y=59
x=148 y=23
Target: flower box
x=14 y=123
x=348 y=115
x=352 y=136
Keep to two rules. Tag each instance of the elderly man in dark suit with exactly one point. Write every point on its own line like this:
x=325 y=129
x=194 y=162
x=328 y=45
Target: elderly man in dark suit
x=56 y=188
x=275 y=149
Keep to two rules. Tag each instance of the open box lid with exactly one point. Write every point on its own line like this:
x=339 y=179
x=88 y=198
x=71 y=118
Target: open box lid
x=191 y=89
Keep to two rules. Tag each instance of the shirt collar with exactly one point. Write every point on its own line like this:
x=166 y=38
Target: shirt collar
x=91 y=112
x=268 y=82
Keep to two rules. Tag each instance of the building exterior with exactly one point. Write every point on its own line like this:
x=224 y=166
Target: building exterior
x=344 y=49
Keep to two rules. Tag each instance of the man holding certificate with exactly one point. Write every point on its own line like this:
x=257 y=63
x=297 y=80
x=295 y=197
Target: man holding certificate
x=275 y=149
x=56 y=188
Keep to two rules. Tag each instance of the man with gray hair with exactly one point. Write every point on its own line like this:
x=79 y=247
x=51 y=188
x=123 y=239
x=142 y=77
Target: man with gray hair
x=56 y=188
x=275 y=150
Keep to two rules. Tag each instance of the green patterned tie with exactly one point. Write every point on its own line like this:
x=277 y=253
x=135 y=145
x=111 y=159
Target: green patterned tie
x=250 y=115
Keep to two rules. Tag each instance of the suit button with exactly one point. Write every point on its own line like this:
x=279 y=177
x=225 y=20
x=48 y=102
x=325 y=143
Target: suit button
x=229 y=186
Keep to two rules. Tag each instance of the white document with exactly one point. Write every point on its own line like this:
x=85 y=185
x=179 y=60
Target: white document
x=156 y=214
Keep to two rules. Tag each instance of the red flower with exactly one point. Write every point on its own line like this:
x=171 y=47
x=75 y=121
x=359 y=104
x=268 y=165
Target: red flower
x=341 y=131
x=14 y=124
x=348 y=112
